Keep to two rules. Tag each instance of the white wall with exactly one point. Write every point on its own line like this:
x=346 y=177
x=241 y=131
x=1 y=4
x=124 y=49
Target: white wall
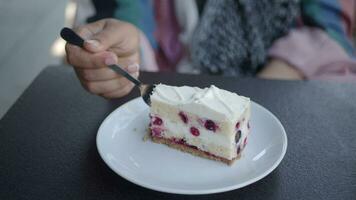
x=28 y=29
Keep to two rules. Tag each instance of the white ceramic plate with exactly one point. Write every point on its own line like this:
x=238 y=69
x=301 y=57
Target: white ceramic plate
x=158 y=167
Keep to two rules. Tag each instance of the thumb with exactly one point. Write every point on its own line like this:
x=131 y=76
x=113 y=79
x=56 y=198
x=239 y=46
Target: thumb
x=99 y=42
x=122 y=37
x=103 y=40
x=89 y=32
x=93 y=45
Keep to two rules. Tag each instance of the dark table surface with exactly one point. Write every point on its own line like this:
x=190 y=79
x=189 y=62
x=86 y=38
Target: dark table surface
x=48 y=149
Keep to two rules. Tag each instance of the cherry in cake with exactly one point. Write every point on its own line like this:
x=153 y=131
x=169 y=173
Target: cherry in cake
x=210 y=122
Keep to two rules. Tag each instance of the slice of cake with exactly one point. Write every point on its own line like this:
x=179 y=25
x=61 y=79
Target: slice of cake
x=210 y=122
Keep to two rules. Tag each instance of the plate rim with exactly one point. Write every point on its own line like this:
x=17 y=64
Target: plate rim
x=185 y=191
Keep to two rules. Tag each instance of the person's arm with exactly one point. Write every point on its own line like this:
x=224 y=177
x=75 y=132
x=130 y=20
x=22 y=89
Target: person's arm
x=279 y=69
x=322 y=41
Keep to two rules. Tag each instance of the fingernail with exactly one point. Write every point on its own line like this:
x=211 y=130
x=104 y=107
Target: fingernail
x=133 y=68
x=93 y=43
x=110 y=61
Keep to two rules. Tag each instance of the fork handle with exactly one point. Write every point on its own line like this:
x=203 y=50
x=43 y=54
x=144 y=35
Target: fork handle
x=119 y=70
x=71 y=37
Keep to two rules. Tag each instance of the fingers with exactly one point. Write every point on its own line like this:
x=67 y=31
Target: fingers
x=101 y=87
x=107 y=42
x=83 y=59
x=103 y=74
x=113 y=88
x=110 y=45
x=97 y=78
x=118 y=93
x=121 y=92
x=88 y=30
x=120 y=37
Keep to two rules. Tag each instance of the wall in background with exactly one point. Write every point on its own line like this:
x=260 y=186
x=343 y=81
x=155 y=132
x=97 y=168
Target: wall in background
x=28 y=30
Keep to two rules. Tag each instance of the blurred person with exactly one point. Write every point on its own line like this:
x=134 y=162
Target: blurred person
x=285 y=39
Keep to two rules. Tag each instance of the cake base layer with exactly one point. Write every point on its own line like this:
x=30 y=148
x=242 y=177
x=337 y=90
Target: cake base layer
x=192 y=150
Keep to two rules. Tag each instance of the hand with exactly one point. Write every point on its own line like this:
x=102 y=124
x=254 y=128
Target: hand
x=107 y=42
x=278 y=69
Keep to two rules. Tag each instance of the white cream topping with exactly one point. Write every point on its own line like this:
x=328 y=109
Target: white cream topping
x=212 y=102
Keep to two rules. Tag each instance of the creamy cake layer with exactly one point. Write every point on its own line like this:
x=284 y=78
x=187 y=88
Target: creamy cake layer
x=168 y=122
x=174 y=113
x=212 y=103
x=217 y=144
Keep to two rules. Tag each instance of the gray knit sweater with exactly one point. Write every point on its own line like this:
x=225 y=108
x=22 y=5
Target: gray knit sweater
x=234 y=35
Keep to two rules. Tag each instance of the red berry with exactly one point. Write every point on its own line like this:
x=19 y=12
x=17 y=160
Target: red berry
x=210 y=125
x=183 y=117
x=237 y=136
x=238 y=149
x=194 y=131
x=179 y=141
x=157 y=121
x=237 y=125
x=193 y=147
x=245 y=141
x=156 y=132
